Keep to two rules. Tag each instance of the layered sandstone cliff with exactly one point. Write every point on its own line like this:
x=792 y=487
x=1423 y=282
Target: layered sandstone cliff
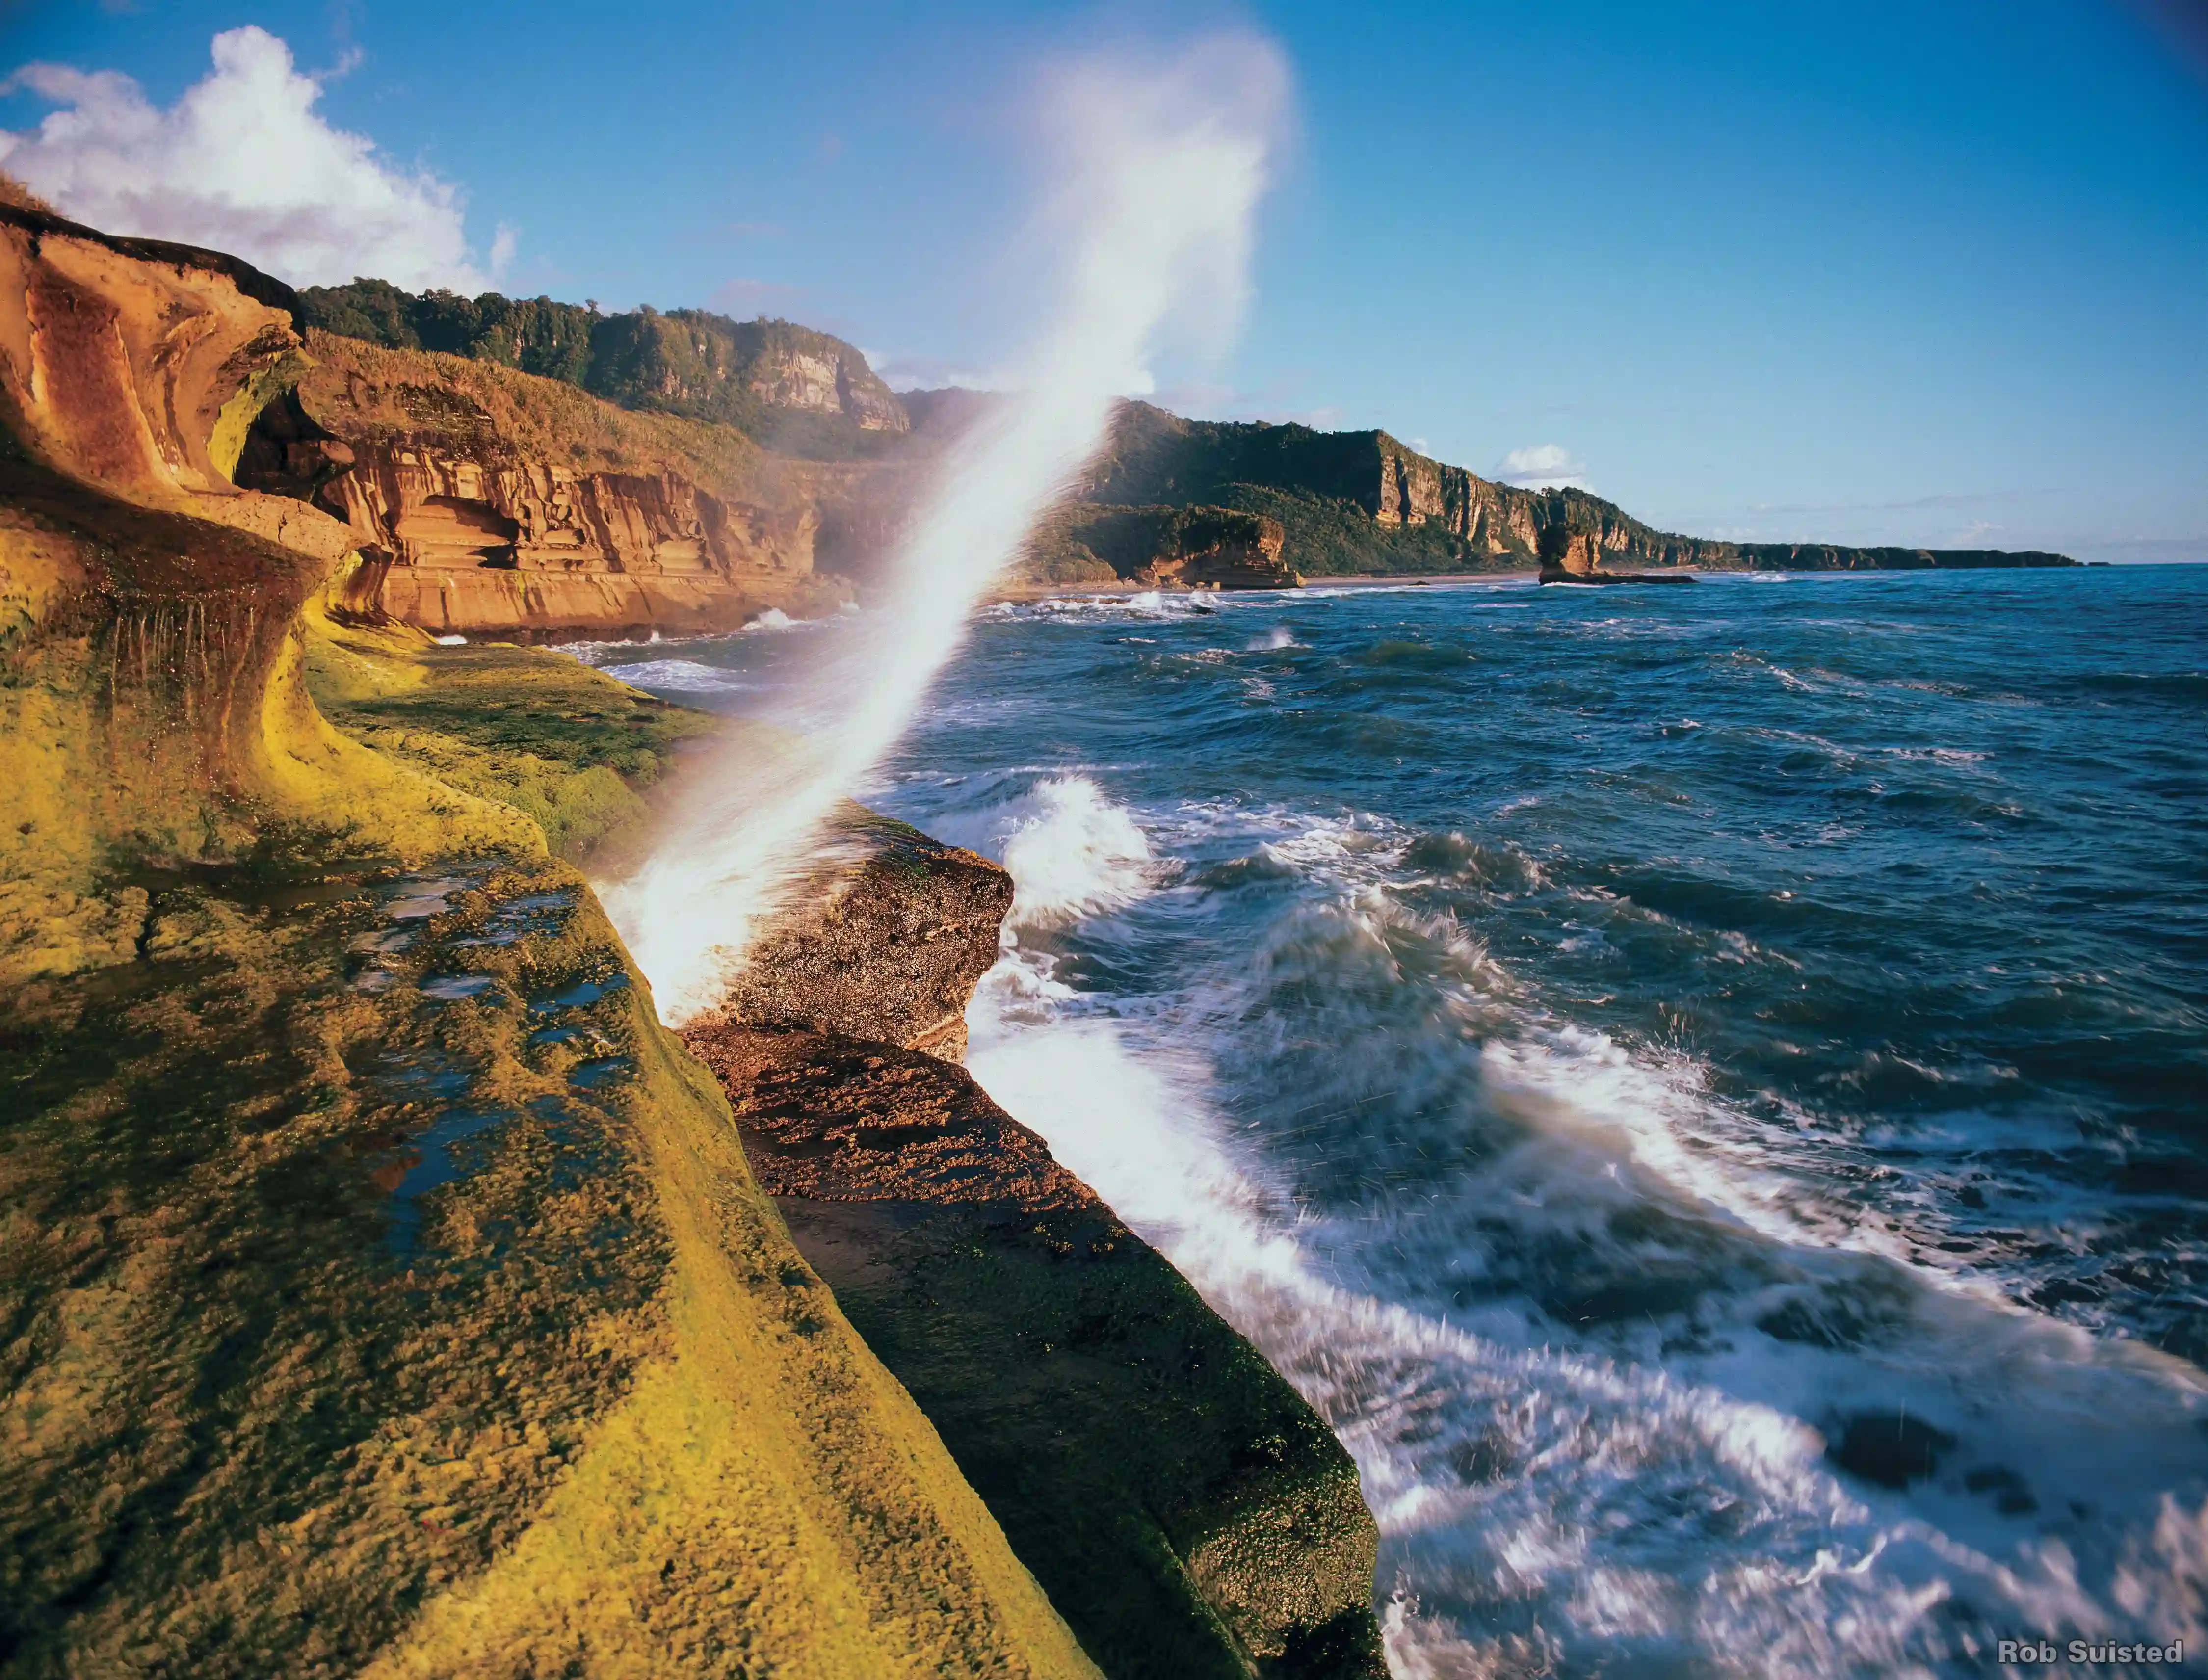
x=151 y=604
x=856 y=460
x=482 y=500
x=388 y=1292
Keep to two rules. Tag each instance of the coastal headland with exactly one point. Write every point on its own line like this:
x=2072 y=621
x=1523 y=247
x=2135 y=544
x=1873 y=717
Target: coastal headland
x=394 y=1294
x=524 y=468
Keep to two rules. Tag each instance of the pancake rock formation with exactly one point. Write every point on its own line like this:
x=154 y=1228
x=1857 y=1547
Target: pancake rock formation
x=482 y=500
x=389 y=1292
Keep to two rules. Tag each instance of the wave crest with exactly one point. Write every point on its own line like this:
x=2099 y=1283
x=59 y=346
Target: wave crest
x=1078 y=854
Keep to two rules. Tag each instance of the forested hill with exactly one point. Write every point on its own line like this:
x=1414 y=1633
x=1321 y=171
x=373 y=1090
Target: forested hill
x=800 y=391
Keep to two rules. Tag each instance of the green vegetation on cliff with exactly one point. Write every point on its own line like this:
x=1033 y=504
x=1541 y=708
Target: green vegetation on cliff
x=805 y=393
x=1080 y=541
x=573 y=751
x=1366 y=502
x=1329 y=536
x=1347 y=502
x=534 y=334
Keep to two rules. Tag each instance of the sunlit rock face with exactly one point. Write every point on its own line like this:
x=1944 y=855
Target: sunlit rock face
x=484 y=500
x=887 y=943
x=390 y=1293
x=139 y=366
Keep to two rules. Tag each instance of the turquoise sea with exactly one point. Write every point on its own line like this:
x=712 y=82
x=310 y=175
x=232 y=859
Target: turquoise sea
x=1706 y=1088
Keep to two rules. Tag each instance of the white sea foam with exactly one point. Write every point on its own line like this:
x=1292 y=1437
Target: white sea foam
x=1075 y=855
x=1148 y=606
x=592 y=653
x=684 y=675
x=1562 y=1507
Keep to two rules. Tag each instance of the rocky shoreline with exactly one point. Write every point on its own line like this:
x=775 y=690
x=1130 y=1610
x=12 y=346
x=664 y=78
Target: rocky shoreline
x=1186 y=1511
x=392 y=1292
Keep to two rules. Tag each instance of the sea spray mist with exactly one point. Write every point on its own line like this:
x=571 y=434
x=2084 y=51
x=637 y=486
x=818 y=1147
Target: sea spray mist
x=1156 y=165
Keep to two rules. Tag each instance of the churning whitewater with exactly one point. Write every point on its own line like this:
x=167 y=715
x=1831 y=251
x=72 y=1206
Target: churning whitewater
x=1701 y=1089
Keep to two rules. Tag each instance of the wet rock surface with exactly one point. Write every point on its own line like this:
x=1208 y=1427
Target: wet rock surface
x=320 y=1267
x=384 y=1290
x=886 y=943
x=1186 y=1512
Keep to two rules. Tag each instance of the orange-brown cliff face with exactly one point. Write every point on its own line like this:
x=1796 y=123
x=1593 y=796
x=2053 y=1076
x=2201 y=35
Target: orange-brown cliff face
x=151 y=692
x=1497 y=519
x=272 y=1410
x=484 y=500
x=139 y=366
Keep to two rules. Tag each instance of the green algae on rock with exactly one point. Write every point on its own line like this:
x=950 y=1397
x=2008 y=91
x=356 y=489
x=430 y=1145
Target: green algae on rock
x=388 y=1292
x=576 y=752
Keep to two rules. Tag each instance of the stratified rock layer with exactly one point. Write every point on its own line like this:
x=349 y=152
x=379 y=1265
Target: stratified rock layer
x=1189 y=1515
x=388 y=1292
x=481 y=500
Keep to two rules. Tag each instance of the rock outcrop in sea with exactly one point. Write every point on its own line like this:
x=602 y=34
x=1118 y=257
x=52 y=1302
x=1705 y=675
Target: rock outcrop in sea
x=1160 y=547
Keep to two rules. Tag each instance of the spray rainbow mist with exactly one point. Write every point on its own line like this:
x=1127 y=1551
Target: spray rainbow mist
x=1159 y=169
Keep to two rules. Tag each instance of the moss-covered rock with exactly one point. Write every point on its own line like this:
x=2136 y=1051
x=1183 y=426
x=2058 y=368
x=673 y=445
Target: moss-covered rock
x=573 y=750
x=385 y=1290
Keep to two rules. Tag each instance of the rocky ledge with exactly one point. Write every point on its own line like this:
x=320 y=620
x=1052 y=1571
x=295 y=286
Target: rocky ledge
x=886 y=944
x=1185 y=1511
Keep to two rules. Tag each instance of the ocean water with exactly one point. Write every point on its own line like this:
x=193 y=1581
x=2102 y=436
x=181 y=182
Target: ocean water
x=1706 y=1089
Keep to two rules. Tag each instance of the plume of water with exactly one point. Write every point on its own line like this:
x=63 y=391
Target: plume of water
x=1157 y=170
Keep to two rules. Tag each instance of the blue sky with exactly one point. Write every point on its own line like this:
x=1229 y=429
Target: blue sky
x=1866 y=272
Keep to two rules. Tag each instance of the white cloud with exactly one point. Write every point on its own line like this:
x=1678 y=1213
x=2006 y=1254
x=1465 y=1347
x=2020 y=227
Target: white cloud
x=744 y=299
x=906 y=372
x=241 y=163
x=1543 y=466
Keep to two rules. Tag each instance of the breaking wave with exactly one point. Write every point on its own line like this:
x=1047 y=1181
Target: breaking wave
x=1722 y=1152
x=1563 y=1137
